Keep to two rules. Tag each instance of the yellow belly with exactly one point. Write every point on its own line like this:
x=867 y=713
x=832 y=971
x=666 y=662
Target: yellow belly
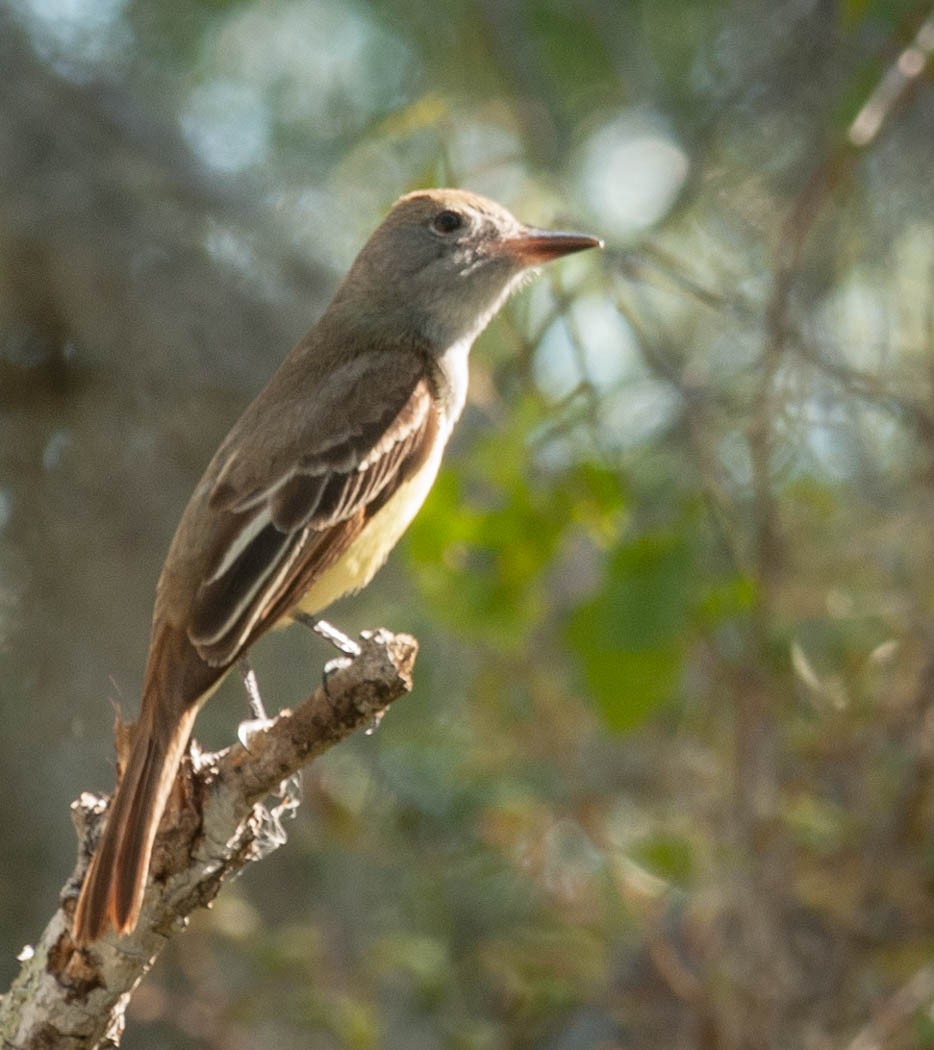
x=371 y=548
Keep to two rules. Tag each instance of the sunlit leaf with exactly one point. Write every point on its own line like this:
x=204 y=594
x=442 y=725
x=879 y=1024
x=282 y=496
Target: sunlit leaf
x=630 y=638
x=669 y=856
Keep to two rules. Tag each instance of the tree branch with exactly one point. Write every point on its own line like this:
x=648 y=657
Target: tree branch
x=215 y=823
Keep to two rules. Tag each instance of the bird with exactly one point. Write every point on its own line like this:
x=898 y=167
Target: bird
x=312 y=487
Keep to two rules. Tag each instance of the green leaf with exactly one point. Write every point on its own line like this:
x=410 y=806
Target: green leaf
x=631 y=636
x=727 y=598
x=628 y=685
x=648 y=595
x=668 y=856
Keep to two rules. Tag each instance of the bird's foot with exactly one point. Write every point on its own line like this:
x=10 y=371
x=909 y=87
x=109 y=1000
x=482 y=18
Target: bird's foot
x=346 y=646
x=329 y=633
x=250 y=727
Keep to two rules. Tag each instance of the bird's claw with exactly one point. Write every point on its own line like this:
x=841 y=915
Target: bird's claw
x=249 y=728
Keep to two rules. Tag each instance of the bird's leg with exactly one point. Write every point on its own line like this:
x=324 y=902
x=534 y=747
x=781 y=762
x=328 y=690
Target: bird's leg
x=329 y=633
x=347 y=646
x=260 y=719
x=252 y=687
x=290 y=790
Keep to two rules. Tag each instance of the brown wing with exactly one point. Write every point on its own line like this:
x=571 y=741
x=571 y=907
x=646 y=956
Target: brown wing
x=276 y=541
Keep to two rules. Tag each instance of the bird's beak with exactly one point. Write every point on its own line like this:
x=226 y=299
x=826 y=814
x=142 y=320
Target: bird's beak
x=530 y=247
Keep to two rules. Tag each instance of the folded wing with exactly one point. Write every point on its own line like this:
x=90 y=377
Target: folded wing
x=286 y=515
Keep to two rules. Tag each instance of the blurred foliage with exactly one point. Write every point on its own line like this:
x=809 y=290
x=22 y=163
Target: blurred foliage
x=666 y=779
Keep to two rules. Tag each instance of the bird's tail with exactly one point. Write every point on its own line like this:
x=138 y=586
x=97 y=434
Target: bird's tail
x=178 y=682
x=113 y=887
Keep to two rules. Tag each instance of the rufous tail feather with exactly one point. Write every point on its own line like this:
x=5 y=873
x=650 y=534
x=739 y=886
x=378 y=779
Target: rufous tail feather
x=113 y=887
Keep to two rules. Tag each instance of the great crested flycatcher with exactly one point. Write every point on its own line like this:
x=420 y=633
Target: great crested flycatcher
x=313 y=486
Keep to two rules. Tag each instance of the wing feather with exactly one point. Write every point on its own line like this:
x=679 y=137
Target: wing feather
x=281 y=532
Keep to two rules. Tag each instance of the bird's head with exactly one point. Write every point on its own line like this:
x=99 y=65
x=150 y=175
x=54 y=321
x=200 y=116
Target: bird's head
x=443 y=262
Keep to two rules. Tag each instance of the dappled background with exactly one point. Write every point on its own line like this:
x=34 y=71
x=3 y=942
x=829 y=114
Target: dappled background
x=666 y=776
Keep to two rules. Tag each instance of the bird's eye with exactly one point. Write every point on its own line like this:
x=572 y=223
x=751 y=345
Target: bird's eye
x=448 y=221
